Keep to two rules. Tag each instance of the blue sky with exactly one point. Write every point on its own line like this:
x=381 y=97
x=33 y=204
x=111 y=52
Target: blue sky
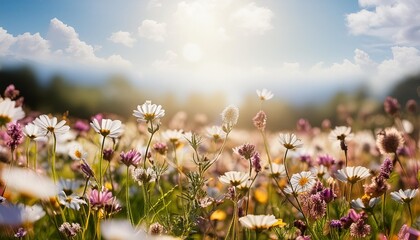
x=288 y=46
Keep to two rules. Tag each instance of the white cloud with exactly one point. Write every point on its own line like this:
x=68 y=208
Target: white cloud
x=30 y=46
x=154 y=4
x=253 y=19
x=6 y=41
x=62 y=46
x=167 y=62
x=404 y=62
x=122 y=38
x=392 y=20
x=153 y=30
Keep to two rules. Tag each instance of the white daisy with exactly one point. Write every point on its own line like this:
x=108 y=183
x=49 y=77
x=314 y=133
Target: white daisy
x=30 y=214
x=72 y=201
x=77 y=152
x=301 y=182
x=264 y=94
x=352 y=174
x=50 y=126
x=290 y=141
x=108 y=128
x=365 y=203
x=234 y=178
x=32 y=132
x=341 y=133
x=29 y=183
x=148 y=112
x=69 y=186
x=278 y=170
x=258 y=222
x=9 y=112
x=215 y=133
x=404 y=196
x=173 y=136
x=120 y=230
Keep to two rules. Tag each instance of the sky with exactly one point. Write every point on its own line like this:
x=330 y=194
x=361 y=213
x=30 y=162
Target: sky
x=300 y=50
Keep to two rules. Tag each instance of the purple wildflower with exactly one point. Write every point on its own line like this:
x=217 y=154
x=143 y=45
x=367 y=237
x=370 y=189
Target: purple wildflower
x=161 y=148
x=21 y=232
x=99 y=199
x=411 y=106
x=108 y=154
x=359 y=229
x=260 y=120
x=131 y=157
x=246 y=150
x=326 y=160
x=386 y=168
x=70 y=229
x=86 y=169
x=391 y=106
x=303 y=125
x=336 y=224
x=81 y=126
x=11 y=92
x=256 y=162
x=14 y=130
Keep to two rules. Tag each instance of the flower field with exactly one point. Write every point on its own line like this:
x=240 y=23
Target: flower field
x=103 y=178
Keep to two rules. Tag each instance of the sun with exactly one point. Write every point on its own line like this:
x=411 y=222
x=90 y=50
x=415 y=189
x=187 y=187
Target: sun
x=192 y=52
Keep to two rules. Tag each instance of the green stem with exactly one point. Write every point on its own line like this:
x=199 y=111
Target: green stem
x=127 y=198
x=27 y=145
x=147 y=147
x=35 y=153
x=53 y=158
x=100 y=162
x=411 y=214
x=383 y=213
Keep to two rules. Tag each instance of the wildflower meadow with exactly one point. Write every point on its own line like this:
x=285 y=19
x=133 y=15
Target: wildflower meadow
x=107 y=178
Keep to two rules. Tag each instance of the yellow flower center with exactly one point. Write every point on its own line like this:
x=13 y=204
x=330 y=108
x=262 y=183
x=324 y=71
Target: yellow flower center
x=78 y=154
x=4 y=120
x=303 y=181
x=105 y=132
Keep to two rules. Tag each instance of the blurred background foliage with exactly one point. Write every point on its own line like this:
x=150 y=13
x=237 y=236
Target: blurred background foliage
x=118 y=96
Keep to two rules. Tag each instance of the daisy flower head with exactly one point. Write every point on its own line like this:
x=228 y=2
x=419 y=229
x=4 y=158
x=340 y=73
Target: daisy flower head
x=404 y=196
x=173 y=136
x=389 y=141
x=144 y=176
x=72 y=201
x=278 y=170
x=290 y=141
x=258 y=222
x=148 y=112
x=364 y=203
x=341 y=133
x=352 y=174
x=230 y=116
x=77 y=152
x=51 y=126
x=215 y=132
x=30 y=214
x=113 y=229
x=107 y=127
x=29 y=183
x=301 y=182
x=234 y=178
x=32 y=132
x=264 y=94
x=9 y=112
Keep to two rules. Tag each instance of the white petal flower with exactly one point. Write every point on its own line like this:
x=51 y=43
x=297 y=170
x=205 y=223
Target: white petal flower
x=33 y=132
x=173 y=136
x=29 y=183
x=108 y=128
x=278 y=170
x=404 y=196
x=258 y=222
x=50 y=126
x=234 y=178
x=358 y=204
x=148 y=112
x=264 y=94
x=31 y=214
x=77 y=152
x=72 y=201
x=352 y=174
x=9 y=112
x=341 y=133
x=120 y=230
x=215 y=133
x=301 y=182
x=290 y=141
